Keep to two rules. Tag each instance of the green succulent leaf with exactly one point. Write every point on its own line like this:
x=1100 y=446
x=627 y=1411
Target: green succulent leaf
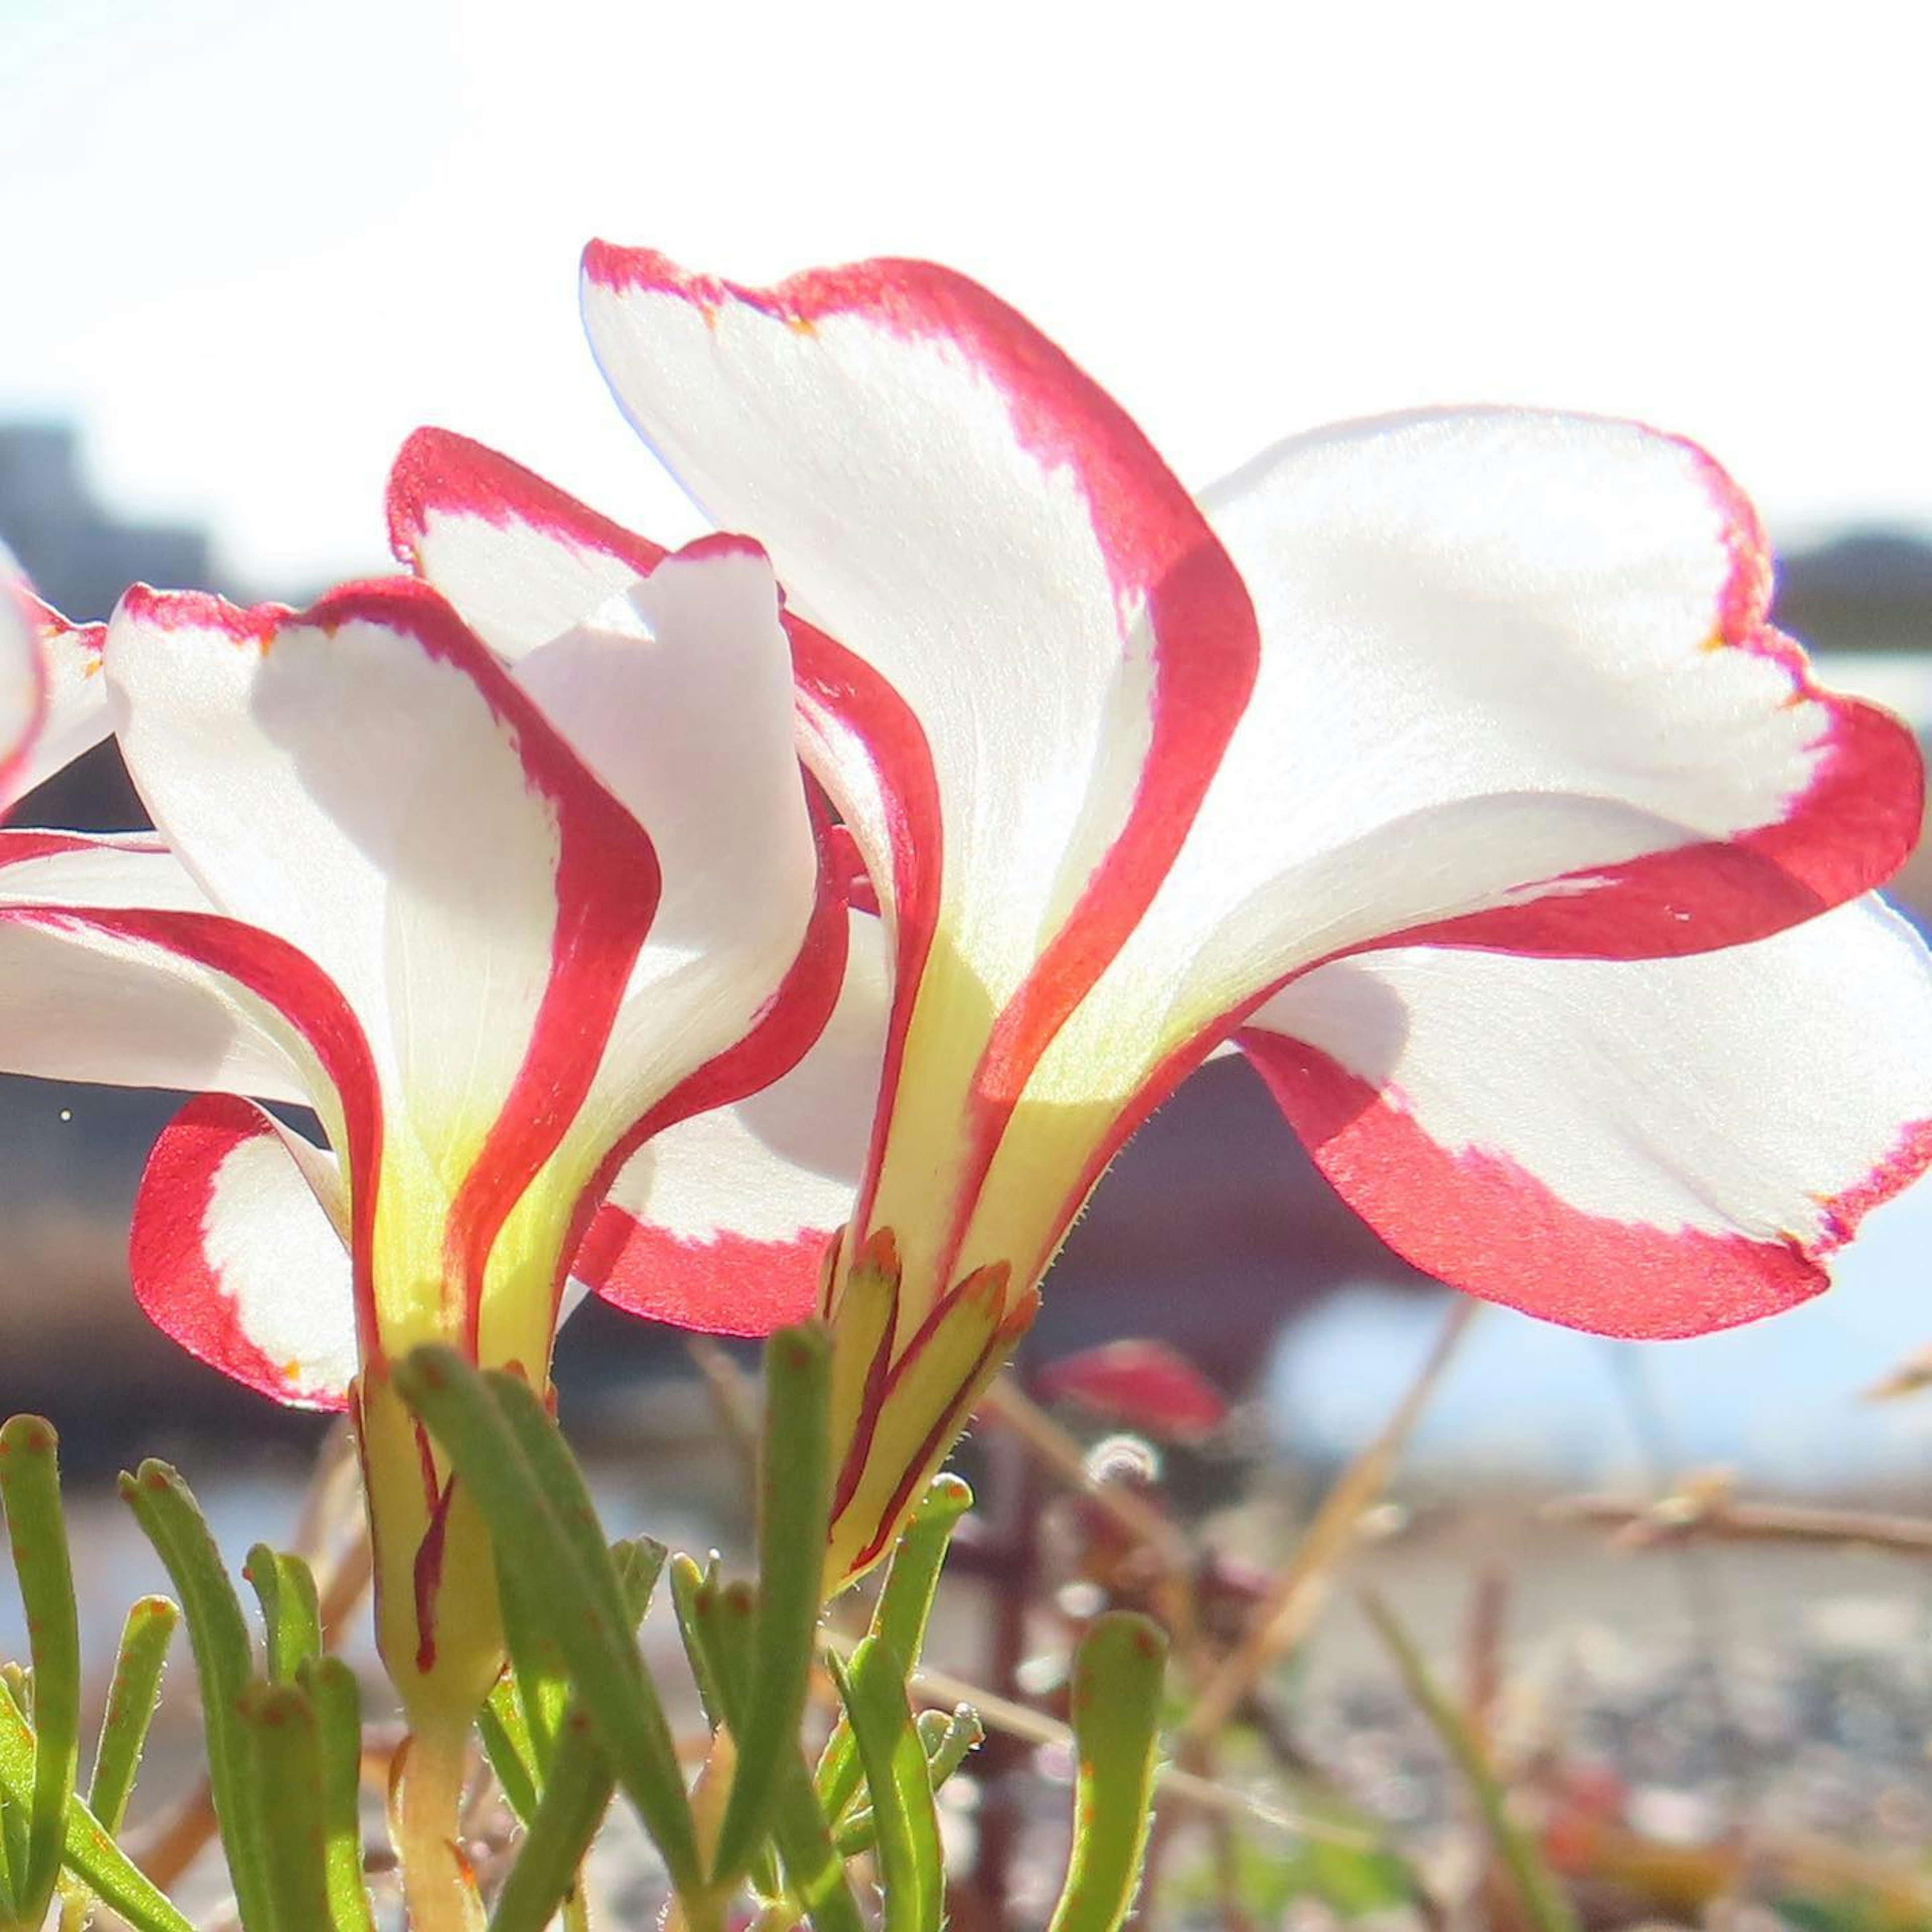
x=900 y=1616
x=533 y=1495
x=905 y=1828
x=87 y=1849
x=794 y=1509
x=1118 y=1671
x=165 y=1507
x=132 y=1695
x=30 y=1490
x=330 y=1686
x=284 y=1586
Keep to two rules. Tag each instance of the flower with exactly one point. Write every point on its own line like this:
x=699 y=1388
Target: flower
x=492 y=959
x=1446 y=765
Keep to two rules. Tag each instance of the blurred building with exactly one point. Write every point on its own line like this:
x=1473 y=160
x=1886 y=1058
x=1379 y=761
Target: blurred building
x=80 y=558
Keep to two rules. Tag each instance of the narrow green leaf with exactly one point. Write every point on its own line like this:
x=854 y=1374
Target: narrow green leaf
x=537 y=1669
x=947 y=1737
x=905 y=1821
x=794 y=1510
x=30 y=1491
x=716 y=1622
x=692 y=1591
x=572 y=1806
x=1118 y=1671
x=504 y=1720
x=506 y=1742
x=1544 y=1903
x=330 y=1687
x=532 y=1495
x=278 y=1723
x=899 y=1616
x=217 y=1633
x=639 y=1562
x=284 y=1586
x=133 y=1695
x=13 y=1832
x=577 y=1785
x=89 y=1851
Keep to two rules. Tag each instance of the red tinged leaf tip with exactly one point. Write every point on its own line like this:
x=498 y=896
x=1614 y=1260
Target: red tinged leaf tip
x=1145 y=1385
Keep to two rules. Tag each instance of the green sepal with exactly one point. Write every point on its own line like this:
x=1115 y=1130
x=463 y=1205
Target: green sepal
x=30 y=1491
x=900 y=1616
x=905 y=1828
x=165 y=1510
x=132 y=1696
x=532 y=1493
x=330 y=1686
x=284 y=1586
x=1118 y=1673
x=794 y=1511
x=88 y=1850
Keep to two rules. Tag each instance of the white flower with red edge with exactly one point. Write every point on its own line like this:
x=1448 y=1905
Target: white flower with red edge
x=493 y=931
x=1446 y=765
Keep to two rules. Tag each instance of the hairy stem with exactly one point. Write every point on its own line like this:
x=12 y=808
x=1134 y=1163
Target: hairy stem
x=437 y=1884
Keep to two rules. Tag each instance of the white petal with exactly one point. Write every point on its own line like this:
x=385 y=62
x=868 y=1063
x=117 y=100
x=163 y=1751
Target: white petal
x=238 y=1252
x=1640 y=1147
x=22 y=681
x=521 y=560
x=945 y=495
x=382 y=799
x=91 y=994
x=721 y=1222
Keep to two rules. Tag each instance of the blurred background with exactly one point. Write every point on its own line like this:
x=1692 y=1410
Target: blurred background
x=245 y=248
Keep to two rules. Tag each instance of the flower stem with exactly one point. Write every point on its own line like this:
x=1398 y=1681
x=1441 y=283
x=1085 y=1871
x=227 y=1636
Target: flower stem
x=437 y=1884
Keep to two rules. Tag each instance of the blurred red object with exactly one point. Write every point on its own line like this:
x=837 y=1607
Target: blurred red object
x=1145 y=1385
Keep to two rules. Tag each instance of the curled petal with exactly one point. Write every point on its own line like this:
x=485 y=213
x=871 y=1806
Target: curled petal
x=1517 y=692
x=522 y=562
x=973 y=519
x=106 y=978
x=723 y=1222
x=1641 y=1148
x=75 y=717
x=238 y=1252
x=390 y=805
x=23 y=683
x=1520 y=692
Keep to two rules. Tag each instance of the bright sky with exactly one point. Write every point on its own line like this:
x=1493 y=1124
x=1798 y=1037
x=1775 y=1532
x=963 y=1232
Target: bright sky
x=252 y=243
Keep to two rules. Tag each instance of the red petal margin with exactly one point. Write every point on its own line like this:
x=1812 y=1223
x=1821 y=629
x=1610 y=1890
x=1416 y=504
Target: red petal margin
x=607 y=895
x=174 y=1284
x=1157 y=545
x=728 y=1285
x=285 y=979
x=439 y=471
x=1479 y=1222
x=1848 y=831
